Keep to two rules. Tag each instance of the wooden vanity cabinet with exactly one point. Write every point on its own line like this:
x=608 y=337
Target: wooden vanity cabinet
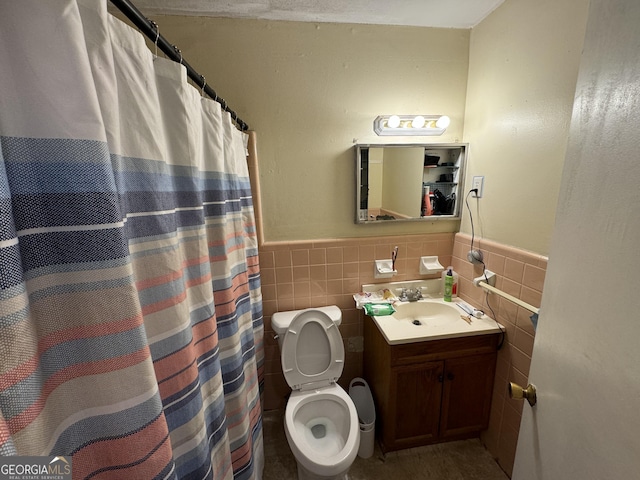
x=430 y=391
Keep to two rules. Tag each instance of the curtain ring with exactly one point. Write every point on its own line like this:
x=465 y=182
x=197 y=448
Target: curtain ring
x=175 y=47
x=204 y=84
x=156 y=27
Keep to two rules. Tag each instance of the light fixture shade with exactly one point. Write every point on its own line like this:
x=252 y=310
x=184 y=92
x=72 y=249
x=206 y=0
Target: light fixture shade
x=417 y=125
x=393 y=121
x=418 y=122
x=443 y=122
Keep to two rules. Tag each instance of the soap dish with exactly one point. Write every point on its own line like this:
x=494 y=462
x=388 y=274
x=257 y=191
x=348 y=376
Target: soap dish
x=430 y=265
x=383 y=269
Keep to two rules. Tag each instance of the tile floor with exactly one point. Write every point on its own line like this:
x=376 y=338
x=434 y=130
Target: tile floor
x=463 y=460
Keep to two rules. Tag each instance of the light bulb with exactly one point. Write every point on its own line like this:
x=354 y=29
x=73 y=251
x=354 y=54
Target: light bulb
x=418 y=122
x=443 y=122
x=393 y=121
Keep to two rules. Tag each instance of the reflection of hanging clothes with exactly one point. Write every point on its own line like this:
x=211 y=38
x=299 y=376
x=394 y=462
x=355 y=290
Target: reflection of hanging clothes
x=443 y=204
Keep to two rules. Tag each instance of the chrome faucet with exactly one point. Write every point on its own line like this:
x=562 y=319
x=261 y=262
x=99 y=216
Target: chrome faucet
x=410 y=295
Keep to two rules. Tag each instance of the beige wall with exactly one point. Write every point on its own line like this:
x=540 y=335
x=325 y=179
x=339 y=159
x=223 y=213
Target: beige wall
x=522 y=75
x=309 y=90
x=402 y=193
x=523 y=69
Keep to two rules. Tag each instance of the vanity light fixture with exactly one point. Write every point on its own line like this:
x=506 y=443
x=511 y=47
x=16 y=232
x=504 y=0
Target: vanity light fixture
x=411 y=124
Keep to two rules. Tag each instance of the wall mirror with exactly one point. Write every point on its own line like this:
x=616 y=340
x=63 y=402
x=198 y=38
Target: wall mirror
x=409 y=182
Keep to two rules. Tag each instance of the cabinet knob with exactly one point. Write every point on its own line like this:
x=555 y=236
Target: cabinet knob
x=441 y=378
x=518 y=393
x=450 y=376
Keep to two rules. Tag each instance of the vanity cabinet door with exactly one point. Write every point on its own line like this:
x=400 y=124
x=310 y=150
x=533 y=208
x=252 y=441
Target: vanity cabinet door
x=428 y=392
x=466 y=396
x=416 y=392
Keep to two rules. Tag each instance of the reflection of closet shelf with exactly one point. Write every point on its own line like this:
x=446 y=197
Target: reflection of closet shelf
x=440 y=184
x=452 y=167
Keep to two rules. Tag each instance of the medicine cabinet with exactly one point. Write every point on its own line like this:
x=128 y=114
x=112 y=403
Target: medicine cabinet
x=409 y=182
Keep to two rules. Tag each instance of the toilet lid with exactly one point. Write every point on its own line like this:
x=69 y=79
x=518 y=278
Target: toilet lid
x=312 y=351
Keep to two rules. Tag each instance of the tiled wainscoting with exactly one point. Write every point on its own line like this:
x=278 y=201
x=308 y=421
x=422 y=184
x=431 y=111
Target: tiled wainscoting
x=328 y=272
x=298 y=275
x=520 y=274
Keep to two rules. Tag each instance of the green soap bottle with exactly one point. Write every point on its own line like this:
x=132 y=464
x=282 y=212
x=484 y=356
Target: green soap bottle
x=448 y=285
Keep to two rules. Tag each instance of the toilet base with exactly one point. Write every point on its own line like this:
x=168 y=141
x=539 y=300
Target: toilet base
x=304 y=474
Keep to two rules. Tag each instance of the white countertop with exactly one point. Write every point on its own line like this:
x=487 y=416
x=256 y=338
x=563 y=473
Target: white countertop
x=438 y=319
x=433 y=326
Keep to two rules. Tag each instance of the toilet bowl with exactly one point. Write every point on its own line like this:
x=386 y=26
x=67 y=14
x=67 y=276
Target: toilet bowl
x=321 y=421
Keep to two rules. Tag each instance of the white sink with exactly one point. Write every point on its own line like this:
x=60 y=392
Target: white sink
x=436 y=319
x=431 y=319
x=427 y=313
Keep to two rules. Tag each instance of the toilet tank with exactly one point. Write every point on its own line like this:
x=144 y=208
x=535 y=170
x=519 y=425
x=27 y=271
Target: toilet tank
x=280 y=321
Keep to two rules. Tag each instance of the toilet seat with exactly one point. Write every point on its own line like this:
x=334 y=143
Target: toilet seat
x=312 y=353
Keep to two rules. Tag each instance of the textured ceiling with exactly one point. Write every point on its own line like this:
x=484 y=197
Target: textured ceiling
x=423 y=13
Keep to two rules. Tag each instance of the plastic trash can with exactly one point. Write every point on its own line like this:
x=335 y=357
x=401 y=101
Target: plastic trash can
x=363 y=400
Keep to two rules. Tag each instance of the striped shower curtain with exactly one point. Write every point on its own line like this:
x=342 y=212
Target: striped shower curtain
x=131 y=333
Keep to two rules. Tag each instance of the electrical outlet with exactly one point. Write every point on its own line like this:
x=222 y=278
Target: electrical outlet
x=478 y=183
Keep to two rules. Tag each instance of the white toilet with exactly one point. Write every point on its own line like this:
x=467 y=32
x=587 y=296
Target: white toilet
x=321 y=421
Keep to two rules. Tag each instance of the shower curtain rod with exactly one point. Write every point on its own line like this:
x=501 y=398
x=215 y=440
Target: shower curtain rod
x=150 y=29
